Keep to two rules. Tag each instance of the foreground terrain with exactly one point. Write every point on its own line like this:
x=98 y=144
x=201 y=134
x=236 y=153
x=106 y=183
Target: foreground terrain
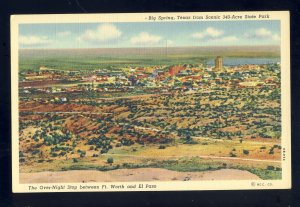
x=101 y=136
x=127 y=175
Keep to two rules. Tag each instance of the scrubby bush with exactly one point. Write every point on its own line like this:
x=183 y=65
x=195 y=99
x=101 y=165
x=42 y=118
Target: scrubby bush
x=126 y=142
x=82 y=154
x=54 y=154
x=189 y=140
x=62 y=153
x=246 y=152
x=21 y=154
x=110 y=160
x=104 y=150
x=56 y=138
x=22 y=159
x=100 y=142
x=34 y=152
x=162 y=147
x=231 y=154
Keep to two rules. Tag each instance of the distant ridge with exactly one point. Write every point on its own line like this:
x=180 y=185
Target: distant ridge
x=255 y=51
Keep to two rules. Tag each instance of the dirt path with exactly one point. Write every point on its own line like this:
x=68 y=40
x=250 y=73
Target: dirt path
x=139 y=174
x=198 y=156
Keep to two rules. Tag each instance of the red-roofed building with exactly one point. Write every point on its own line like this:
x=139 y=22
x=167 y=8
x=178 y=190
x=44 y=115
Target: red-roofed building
x=174 y=70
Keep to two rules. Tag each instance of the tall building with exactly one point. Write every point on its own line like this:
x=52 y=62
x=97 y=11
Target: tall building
x=218 y=63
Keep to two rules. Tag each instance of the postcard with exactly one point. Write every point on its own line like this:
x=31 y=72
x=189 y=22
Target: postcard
x=151 y=101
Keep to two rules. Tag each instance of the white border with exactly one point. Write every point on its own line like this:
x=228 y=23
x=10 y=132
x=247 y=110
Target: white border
x=285 y=183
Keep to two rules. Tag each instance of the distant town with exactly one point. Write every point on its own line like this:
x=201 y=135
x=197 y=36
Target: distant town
x=156 y=79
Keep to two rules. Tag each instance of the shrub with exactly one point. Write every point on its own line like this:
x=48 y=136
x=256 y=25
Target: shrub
x=21 y=154
x=104 y=151
x=62 y=153
x=141 y=142
x=54 y=154
x=126 y=142
x=110 y=160
x=231 y=154
x=270 y=167
x=82 y=154
x=162 y=147
x=22 y=159
x=263 y=147
x=246 y=152
x=75 y=160
x=189 y=140
x=34 y=152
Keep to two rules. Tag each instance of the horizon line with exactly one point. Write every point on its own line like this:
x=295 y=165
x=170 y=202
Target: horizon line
x=222 y=46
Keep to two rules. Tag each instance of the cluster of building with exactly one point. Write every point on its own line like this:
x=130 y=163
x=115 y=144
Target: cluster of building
x=166 y=78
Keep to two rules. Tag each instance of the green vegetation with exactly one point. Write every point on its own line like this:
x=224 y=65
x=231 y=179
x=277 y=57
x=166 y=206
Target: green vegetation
x=182 y=165
x=110 y=160
x=267 y=174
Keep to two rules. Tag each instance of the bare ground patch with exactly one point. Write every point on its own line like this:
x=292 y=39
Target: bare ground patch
x=139 y=174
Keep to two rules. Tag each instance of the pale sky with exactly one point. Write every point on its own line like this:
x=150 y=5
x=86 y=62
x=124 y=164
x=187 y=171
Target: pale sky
x=149 y=34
